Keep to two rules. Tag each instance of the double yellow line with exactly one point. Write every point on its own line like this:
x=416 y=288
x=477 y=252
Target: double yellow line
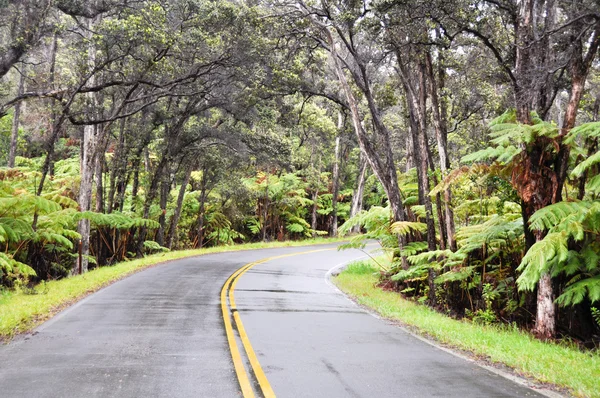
x=230 y=311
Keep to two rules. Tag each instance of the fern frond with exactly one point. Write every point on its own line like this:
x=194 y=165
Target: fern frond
x=593 y=185
x=578 y=291
x=585 y=130
x=552 y=215
x=456 y=275
x=427 y=257
x=539 y=258
x=407 y=227
x=586 y=165
x=413 y=248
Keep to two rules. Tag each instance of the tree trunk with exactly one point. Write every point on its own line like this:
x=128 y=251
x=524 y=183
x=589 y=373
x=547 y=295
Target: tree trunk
x=545 y=322
x=580 y=67
x=117 y=171
x=336 y=180
x=99 y=172
x=265 y=210
x=313 y=222
x=180 y=197
x=14 y=136
x=165 y=188
x=441 y=132
x=386 y=170
x=202 y=200
x=357 y=198
x=417 y=104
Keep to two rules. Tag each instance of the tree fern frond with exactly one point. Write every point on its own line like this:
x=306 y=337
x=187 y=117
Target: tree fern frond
x=427 y=257
x=413 y=248
x=578 y=291
x=585 y=130
x=413 y=273
x=407 y=227
x=550 y=216
x=593 y=185
x=586 y=165
x=539 y=257
x=456 y=274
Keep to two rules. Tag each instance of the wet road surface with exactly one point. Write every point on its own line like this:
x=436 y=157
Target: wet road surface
x=314 y=342
x=159 y=333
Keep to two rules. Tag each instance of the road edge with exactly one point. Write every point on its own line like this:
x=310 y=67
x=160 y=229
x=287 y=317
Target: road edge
x=529 y=383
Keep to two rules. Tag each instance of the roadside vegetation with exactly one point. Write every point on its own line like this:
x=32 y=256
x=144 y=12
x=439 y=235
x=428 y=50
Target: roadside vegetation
x=23 y=309
x=561 y=364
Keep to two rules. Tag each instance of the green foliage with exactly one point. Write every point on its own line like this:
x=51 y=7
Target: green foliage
x=116 y=220
x=407 y=227
x=596 y=315
x=570 y=247
x=360 y=268
x=154 y=247
x=486 y=316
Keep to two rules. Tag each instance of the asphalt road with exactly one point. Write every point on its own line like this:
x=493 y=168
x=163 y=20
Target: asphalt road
x=160 y=333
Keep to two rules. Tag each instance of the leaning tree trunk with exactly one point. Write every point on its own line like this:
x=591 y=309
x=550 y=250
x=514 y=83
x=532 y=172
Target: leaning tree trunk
x=384 y=170
x=14 y=136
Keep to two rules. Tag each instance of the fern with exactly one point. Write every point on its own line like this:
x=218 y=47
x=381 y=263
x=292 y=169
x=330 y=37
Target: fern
x=456 y=274
x=413 y=274
x=552 y=215
x=540 y=257
x=585 y=131
x=577 y=292
x=413 y=248
x=407 y=227
x=116 y=220
x=153 y=246
x=593 y=185
x=586 y=165
x=428 y=257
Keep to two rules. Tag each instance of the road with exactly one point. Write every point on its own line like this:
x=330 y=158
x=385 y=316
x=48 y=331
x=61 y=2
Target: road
x=160 y=333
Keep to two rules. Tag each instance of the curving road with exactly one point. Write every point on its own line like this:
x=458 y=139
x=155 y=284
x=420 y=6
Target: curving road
x=160 y=333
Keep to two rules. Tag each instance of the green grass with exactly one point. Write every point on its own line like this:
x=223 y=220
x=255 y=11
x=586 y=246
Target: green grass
x=561 y=365
x=21 y=311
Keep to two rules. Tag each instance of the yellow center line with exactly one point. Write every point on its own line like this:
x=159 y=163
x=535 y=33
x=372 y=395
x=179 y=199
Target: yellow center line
x=238 y=363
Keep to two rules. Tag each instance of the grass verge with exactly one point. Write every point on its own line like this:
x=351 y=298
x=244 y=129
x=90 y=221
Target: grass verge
x=563 y=366
x=22 y=311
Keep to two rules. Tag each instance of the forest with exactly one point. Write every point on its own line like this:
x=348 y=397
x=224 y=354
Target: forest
x=460 y=134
